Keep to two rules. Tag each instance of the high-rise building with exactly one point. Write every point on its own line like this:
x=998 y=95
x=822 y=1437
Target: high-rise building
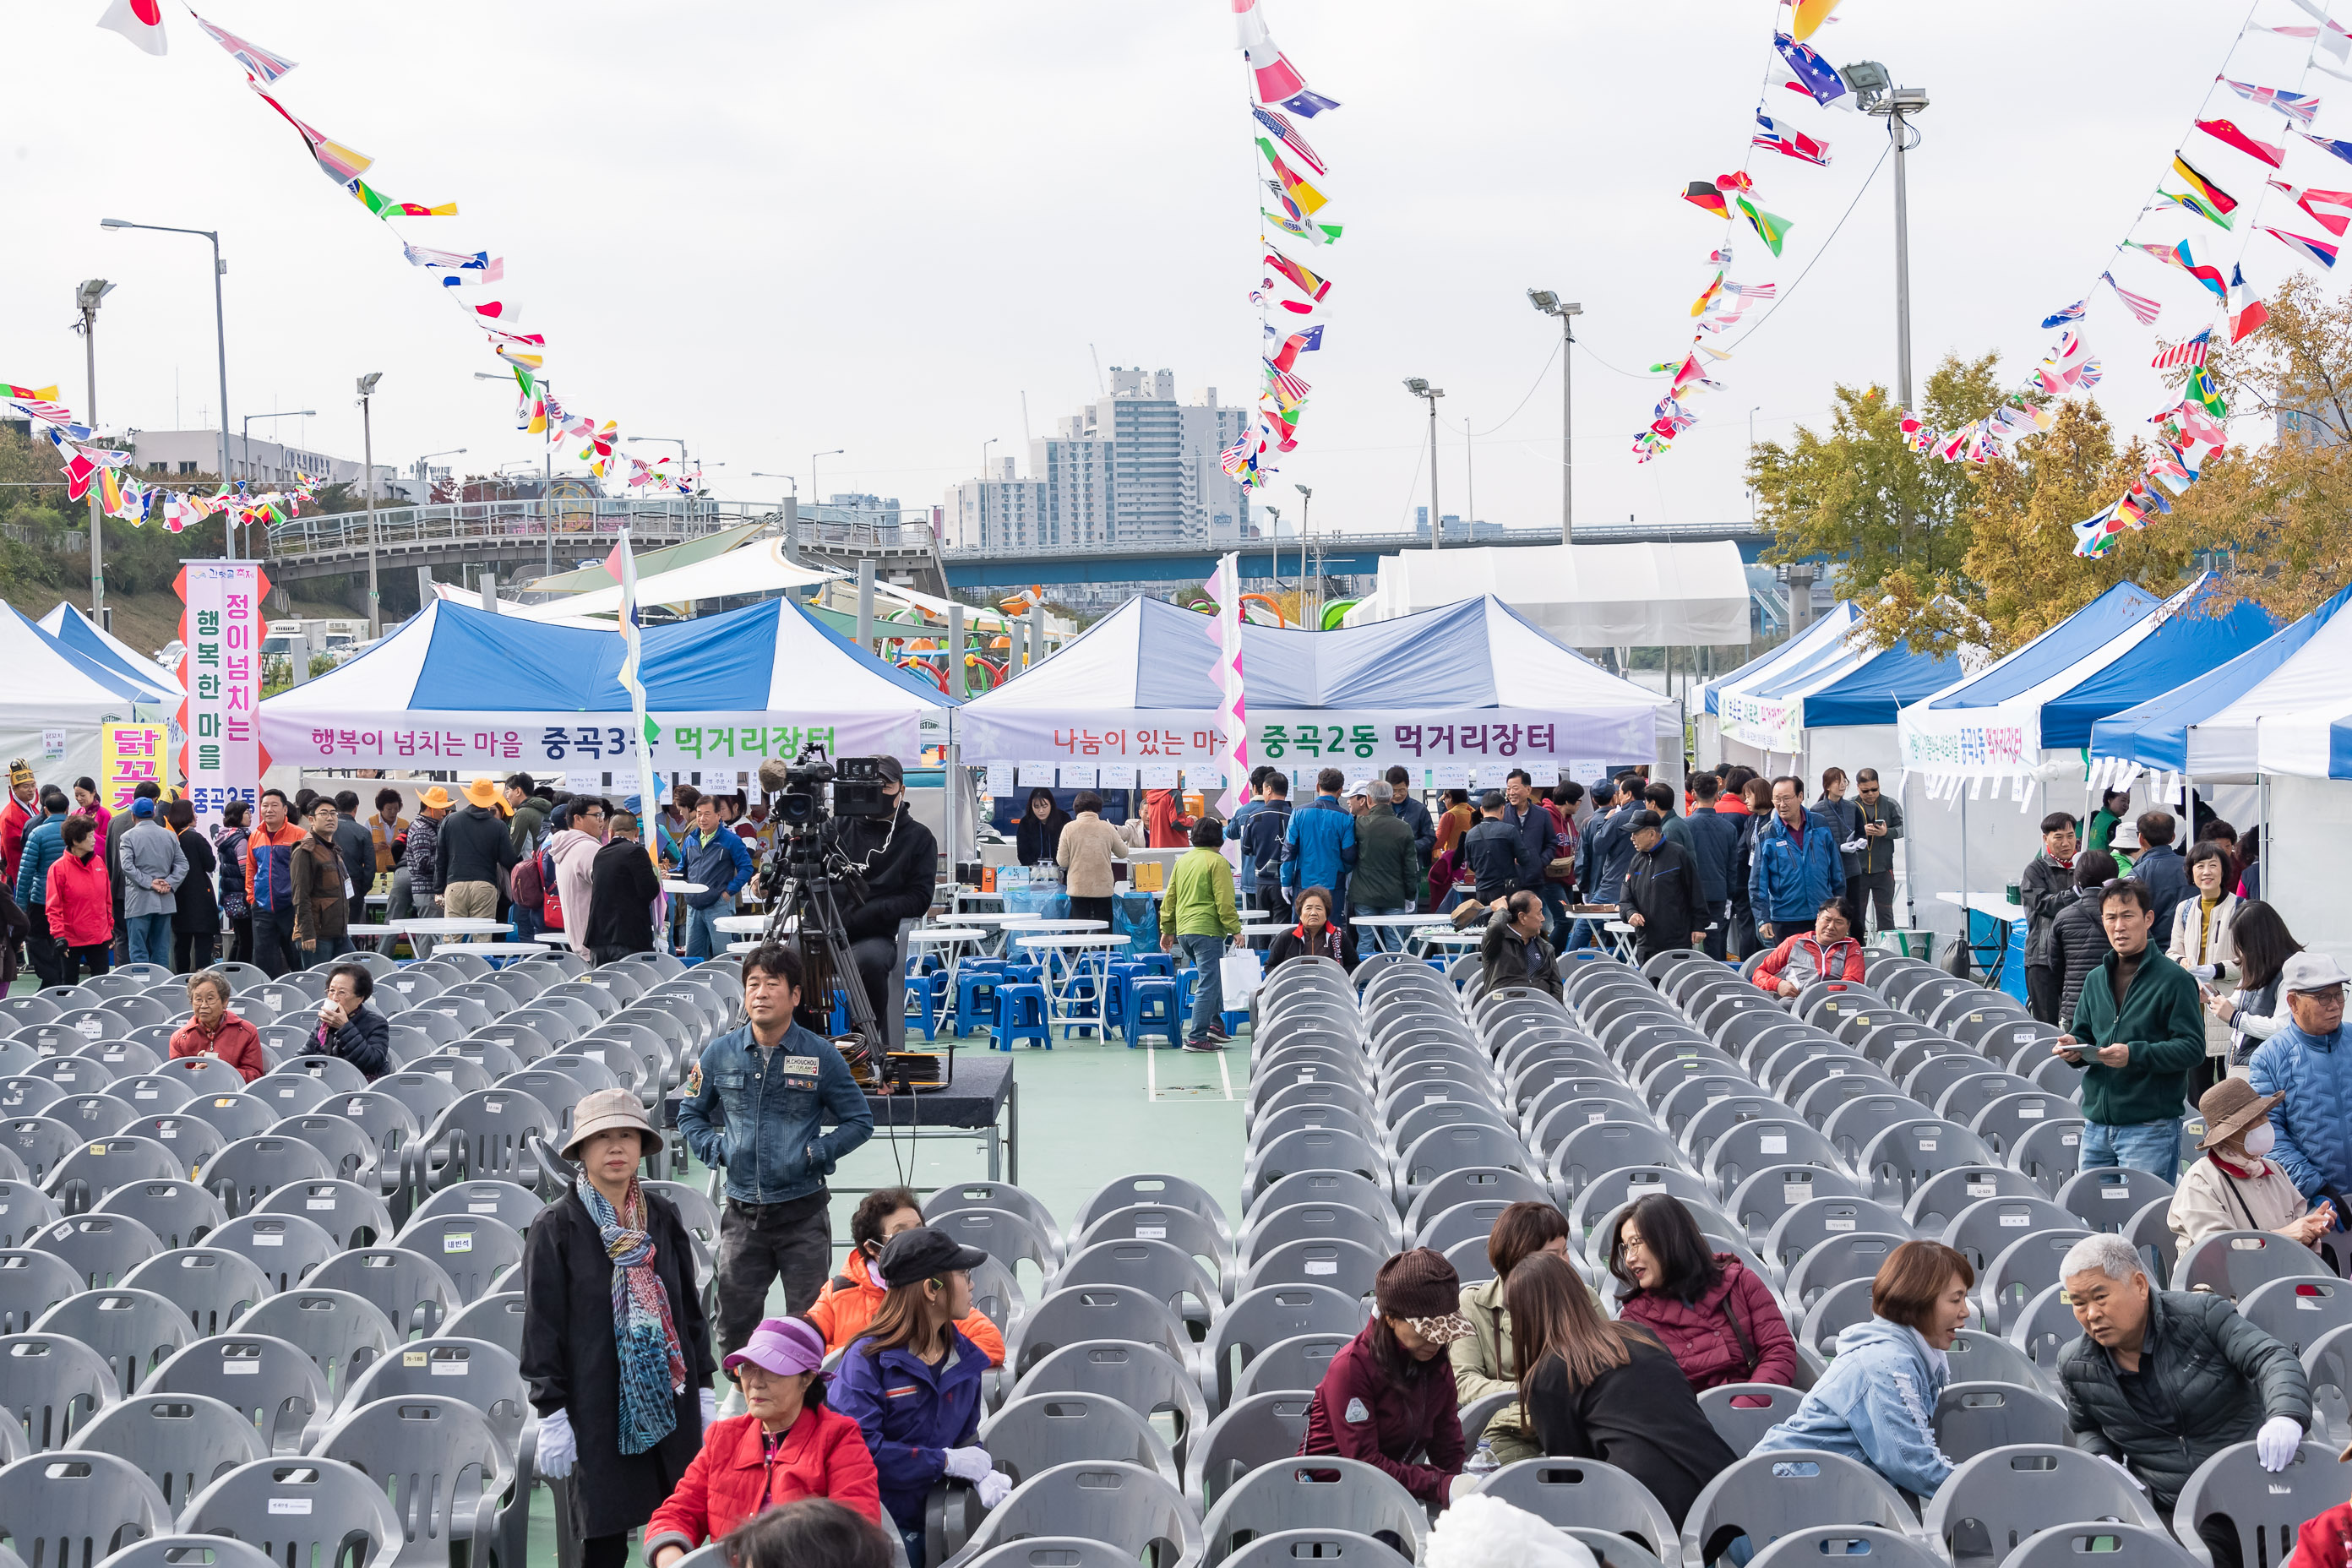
x=1135 y=468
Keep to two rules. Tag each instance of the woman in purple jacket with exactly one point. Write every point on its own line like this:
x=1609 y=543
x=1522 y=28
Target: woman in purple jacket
x=1714 y=1316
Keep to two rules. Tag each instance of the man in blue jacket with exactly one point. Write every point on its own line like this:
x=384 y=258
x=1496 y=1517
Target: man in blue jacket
x=1319 y=849
x=716 y=857
x=1796 y=865
x=1260 y=827
x=45 y=845
x=1607 y=852
x=756 y=1106
x=2308 y=1062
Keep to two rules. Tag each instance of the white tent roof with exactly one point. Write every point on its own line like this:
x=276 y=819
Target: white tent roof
x=1763 y=705
x=2283 y=724
x=1586 y=595
x=46 y=690
x=73 y=627
x=757 y=567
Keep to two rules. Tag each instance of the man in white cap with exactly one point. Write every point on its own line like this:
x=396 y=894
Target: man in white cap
x=2305 y=1061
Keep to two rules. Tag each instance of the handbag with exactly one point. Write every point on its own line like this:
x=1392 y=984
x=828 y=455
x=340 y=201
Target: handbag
x=1748 y=1359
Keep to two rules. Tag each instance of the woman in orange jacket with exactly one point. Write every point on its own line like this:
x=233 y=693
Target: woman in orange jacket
x=848 y=1302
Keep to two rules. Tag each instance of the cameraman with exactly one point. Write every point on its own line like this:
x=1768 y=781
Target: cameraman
x=898 y=862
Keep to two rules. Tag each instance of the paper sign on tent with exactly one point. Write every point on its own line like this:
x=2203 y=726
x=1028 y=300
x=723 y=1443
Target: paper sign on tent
x=1000 y=778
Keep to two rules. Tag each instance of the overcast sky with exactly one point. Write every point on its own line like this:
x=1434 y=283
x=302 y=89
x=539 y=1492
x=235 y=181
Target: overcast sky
x=777 y=229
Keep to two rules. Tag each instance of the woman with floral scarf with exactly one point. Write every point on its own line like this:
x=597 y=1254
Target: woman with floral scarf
x=614 y=1340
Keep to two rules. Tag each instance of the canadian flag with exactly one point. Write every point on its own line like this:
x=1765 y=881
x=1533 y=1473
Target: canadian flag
x=141 y=21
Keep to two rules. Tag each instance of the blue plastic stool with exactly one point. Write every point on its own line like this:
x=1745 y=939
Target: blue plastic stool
x=1154 y=1006
x=1025 y=973
x=928 y=989
x=1082 y=1008
x=1022 y=1013
x=975 y=1000
x=1114 y=1002
x=1157 y=962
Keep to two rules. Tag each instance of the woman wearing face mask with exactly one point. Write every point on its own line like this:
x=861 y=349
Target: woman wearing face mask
x=1386 y=1398
x=850 y=1300
x=2235 y=1186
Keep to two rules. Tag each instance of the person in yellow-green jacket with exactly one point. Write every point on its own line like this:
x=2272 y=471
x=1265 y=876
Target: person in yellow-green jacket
x=1197 y=914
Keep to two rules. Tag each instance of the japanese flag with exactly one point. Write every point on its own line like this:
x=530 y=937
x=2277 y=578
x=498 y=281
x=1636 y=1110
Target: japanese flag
x=141 y=21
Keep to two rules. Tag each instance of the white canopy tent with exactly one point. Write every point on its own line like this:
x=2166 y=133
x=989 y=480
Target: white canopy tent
x=757 y=566
x=74 y=628
x=1586 y=595
x=1736 y=724
x=52 y=693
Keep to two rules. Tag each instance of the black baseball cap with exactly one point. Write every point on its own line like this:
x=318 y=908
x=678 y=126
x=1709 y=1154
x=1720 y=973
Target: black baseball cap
x=891 y=770
x=923 y=1253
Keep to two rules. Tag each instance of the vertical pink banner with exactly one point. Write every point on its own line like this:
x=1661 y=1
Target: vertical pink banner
x=1232 y=706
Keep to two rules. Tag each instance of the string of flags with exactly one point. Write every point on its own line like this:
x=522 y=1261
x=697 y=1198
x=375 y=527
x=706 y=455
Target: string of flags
x=1733 y=197
x=1291 y=207
x=536 y=412
x=90 y=464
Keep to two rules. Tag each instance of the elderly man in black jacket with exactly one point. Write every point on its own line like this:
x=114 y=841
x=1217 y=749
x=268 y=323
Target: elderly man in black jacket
x=2045 y=889
x=1662 y=893
x=2163 y=1380
x=898 y=861
x=1514 y=953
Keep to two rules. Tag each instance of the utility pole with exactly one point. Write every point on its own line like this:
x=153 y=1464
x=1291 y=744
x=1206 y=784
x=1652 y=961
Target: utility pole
x=1305 y=517
x=1420 y=388
x=367 y=477
x=1550 y=304
x=86 y=298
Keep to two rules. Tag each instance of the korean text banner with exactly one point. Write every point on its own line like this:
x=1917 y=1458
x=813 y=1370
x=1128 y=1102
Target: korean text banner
x=1305 y=737
x=504 y=743
x=222 y=629
x=132 y=754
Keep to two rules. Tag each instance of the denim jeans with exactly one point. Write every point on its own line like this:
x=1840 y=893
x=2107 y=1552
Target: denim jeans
x=1206 y=953
x=2150 y=1146
x=1557 y=919
x=1584 y=933
x=1382 y=939
x=151 y=938
x=704 y=940
x=326 y=947
x=527 y=922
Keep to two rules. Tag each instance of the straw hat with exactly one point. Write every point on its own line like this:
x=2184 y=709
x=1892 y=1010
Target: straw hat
x=2229 y=1106
x=437 y=798
x=605 y=1110
x=482 y=792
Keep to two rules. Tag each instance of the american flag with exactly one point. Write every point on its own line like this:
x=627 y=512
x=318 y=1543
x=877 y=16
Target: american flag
x=2139 y=305
x=1293 y=390
x=2191 y=353
x=1287 y=134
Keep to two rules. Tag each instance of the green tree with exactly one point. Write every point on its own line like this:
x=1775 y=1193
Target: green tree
x=1897 y=521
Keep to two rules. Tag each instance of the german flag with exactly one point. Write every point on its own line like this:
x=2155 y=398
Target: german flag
x=2221 y=200
x=1703 y=193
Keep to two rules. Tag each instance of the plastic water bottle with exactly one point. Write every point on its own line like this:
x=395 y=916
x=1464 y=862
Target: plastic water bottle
x=1483 y=1463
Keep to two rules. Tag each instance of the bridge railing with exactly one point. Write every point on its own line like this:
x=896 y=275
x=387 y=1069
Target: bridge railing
x=1379 y=543
x=866 y=535
x=499 y=521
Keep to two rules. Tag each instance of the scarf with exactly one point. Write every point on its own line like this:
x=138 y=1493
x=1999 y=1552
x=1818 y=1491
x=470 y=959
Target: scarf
x=653 y=1372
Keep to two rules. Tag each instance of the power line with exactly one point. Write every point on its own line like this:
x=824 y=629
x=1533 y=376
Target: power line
x=1783 y=297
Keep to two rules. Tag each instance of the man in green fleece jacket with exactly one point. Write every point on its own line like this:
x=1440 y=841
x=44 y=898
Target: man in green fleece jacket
x=2138 y=1028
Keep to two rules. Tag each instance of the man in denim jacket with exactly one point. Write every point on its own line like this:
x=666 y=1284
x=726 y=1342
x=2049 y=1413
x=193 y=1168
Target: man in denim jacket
x=766 y=1091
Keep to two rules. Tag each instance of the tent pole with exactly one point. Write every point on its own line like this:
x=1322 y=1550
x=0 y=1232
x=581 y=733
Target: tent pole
x=1968 y=916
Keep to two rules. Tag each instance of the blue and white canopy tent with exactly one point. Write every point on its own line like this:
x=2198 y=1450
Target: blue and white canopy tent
x=1738 y=723
x=74 y=630
x=461 y=688
x=55 y=694
x=1471 y=685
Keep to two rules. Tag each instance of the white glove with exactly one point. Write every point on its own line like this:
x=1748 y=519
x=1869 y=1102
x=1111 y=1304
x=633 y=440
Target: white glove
x=2203 y=970
x=995 y=1488
x=969 y=1464
x=2119 y=1464
x=710 y=1408
x=559 y=1451
x=2275 y=1444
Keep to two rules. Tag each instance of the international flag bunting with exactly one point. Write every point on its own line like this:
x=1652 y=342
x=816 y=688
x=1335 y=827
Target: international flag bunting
x=1276 y=79
x=1791 y=141
x=141 y=21
x=1287 y=386
x=1771 y=228
x=1301 y=228
x=2181 y=257
x=1306 y=282
x=1301 y=342
x=30 y=394
x=2195 y=205
x=1808 y=14
x=2072 y=313
x=2299 y=106
x=1814 y=74
x=1308 y=105
x=2191 y=353
x=384 y=207
x=1708 y=296
x=2215 y=196
x=1309 y=199
x=1287 y=134
x=2224 y=132
x=2246 y=312
x=261 y=62
x=2143 y=308
x=2311 y=200
x=1703 y=193
x=2315 y=249
x=341 y=162
x=2333 y=149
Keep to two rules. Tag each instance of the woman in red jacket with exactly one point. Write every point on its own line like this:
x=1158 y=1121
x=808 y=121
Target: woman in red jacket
x=80 y=900
x=1715 y=1318
x=1387 y=1397
x=787 y=1446
x=212 y=1030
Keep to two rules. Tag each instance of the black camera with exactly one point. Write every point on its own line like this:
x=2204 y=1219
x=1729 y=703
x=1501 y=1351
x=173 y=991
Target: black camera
x=857 y=789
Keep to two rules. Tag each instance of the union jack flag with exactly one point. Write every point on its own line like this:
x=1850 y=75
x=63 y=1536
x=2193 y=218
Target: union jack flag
x=261 y=62
x=2299 y=106
x=2191 y=353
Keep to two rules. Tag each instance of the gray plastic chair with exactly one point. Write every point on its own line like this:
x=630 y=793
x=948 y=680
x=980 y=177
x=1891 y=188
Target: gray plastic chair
x=1570 y=1493
x=2107 y=1198
x=1094 y=1312
x=2298 y=1311
x=1992 y=1502
x=2040 y=1329
x=2050 y=1152
x=415 y=1293
x=482 y=1374
x=1262 y=1429
x=1974 y=1417
x=1321 y=1492
x=1347 y=1267
x=188 y=1551
x=25 y=1210
x=272 y=1385
x=1285 y=1548
x=78 y=1508
x=1150 y=1187
x=497 y=1318
x=1158 y=1269
x=1935 y=1203
x=2117 y=1546
x=1836 y=1260
x=1302 y=1222
x=1903 y=1156
x=1345 y=1188
x=1295 y=1365
x=135 y=1330
x=1312 y=1149
x=179 y=1212
x=1125 y=1507
x=1764 y=1495
x=1145 y=1378
x=1848 y=1545
x=1259 y=1319
x=1808 y=1225
x=1589 y=1151
x=441 y=1457
x=181 y=1442
x=50 y=1385
x=307 y=1510
x=30 y=1284
x=2230 y=1263
x=2022 y=1271
x=286 y=1248
x=100 y=1248
x=1741 y=1413
x=351 y=1214
x=472 y=1249
x=1030 y=1435
x=341 y=1333
x=2264 y=1510
x=1983 y=1229
x=250 y=1169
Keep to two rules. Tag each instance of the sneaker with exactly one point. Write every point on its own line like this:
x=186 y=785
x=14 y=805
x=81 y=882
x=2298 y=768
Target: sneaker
x=1217 y=1032
x=1207 y=1046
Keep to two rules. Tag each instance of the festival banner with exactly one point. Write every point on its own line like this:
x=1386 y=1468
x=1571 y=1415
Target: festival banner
x=553 y=742
x=222 y=628
x=129 y=756
x=1312 y=739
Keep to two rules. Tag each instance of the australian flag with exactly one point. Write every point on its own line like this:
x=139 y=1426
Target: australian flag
x=1814 y=74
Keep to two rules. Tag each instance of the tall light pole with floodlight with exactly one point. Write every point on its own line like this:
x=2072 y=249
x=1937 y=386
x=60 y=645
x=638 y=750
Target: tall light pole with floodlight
x=1305 y=522
x=245 y=457
x=86 y=298
x=1550 y=304
x=1420 y=388
x=367 y=477
x=816 y=495
x=220 y=330
x=1877 y=93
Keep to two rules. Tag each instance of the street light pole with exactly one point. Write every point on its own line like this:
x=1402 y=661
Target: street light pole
x=220 y=338
x=816 y=495
x=1420 y=388
x=245 y=451
x=1871 y=83
x=1306 y=520
x=86 y=298
x=1550 y=304
x=367 y=477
